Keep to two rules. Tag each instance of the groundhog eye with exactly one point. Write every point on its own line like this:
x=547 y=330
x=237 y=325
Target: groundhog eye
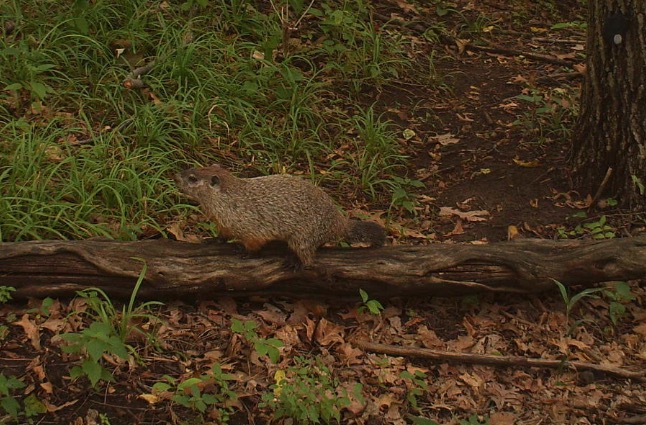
x=192 y=179
x=215 y=180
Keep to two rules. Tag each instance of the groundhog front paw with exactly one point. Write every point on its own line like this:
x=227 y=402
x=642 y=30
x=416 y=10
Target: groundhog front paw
x=293 y=264
x=216 y=240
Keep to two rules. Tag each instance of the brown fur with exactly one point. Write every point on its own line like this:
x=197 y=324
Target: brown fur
x=277 y=207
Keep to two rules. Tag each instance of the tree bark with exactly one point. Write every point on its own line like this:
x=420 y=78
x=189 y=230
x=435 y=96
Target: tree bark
x=198 y=271
x=611 y=130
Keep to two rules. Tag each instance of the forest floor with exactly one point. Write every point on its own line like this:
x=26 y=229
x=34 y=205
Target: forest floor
x=489 y=141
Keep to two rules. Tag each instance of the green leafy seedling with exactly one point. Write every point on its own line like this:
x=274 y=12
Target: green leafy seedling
x=9 y=385
x=5 y=293
x=619 y=295
x=263 y=346
x=202 y=392
x=571 y=302
x=416 y=386
x=373 y=306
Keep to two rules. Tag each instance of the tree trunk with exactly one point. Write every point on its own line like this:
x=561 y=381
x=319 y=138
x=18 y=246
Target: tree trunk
x=611 y=130
x=199 y=271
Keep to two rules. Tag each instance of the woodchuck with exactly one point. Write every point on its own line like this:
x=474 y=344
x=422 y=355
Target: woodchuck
x=278 y=207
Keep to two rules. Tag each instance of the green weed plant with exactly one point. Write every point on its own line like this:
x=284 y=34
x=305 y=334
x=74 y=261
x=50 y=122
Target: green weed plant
x=308 y=393
x=108 y=333
x=210 y=390
x=263 y=346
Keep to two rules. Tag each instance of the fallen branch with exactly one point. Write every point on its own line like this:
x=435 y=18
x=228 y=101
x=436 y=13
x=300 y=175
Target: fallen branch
x=560 y=76
x=502 y=361
x=601 y=188
x=133 y=80
x=515 y=52
x=559 y=41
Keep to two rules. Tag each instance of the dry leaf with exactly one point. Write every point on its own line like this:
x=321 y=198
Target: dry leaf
x=150 y=398
x=640 y=329
x=445 y=139
x=457 y=229
x=349 y=354
x=271 y=314
x=527 y=164
x=328 y=333
x=31 y=330
x=472 y=216
x=472 y=380
x=512 y=232
x=461 y=44
x=406 y=7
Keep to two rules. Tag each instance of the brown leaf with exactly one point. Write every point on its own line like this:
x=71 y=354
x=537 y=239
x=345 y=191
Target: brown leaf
x=457 y=229
x=512 y=232
x=463 y=342
x=429 y=338
x=472 y=216
x=37 y=367
x=349 y=354
x=461 y=44
x=406 y=6
x=310 y=327
x=288 y=334
x=271 y=314
x=47 y=387
x=54 y=325
x=445 y=139
x=31 y=330
x=52 y=408
x=472 y=380
x=328 y=333
x=527 y=164
x=176 y=230
x=302 y=309
x=640 y=329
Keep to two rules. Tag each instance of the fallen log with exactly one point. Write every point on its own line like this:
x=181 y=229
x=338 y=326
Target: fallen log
x=178 y=270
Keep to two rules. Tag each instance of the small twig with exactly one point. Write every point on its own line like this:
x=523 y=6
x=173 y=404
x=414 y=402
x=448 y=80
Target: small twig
x=549 y=171
x=283 y=14
x=485 y=359
x=602 y=187
x=639 y=420
x=295 y=26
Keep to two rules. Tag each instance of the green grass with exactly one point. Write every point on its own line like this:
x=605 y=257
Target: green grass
x=81 y=155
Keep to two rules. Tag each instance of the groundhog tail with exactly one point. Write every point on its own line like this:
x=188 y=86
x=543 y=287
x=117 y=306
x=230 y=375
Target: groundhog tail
x=365 y=232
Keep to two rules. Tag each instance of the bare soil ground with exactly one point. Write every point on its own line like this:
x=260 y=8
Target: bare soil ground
x=493 y=174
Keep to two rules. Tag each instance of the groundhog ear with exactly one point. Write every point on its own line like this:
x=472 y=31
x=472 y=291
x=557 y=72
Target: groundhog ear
x=215 y=181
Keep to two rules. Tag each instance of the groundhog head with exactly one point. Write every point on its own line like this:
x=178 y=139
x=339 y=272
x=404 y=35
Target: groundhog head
x=202 y=183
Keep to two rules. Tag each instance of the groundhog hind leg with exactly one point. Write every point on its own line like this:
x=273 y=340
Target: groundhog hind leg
x=303 y=250
x=252 y=246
